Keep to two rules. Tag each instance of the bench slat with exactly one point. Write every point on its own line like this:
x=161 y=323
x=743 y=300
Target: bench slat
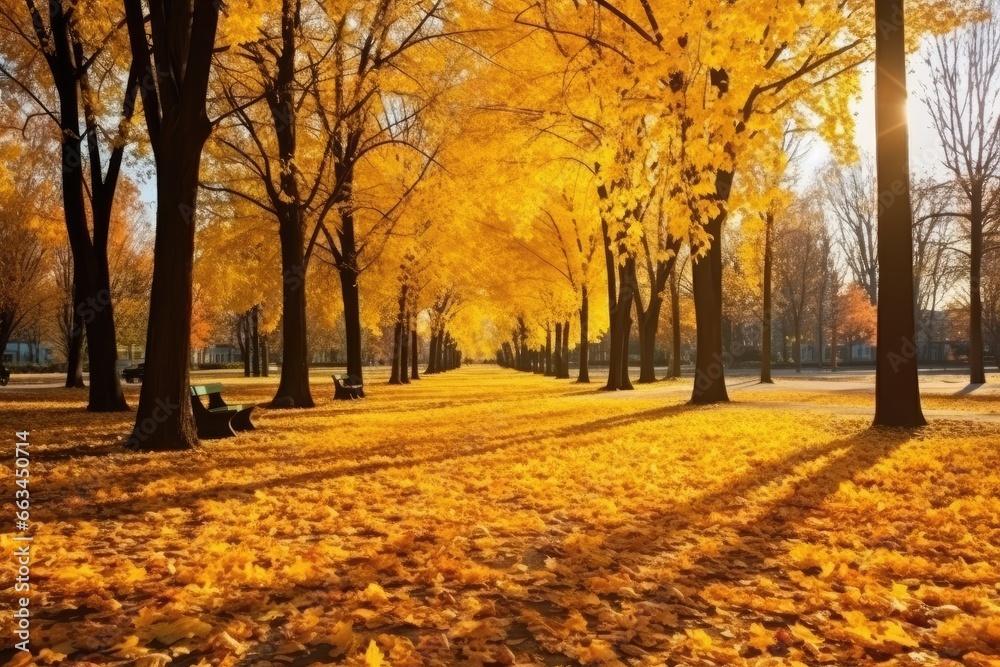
x=206 y=389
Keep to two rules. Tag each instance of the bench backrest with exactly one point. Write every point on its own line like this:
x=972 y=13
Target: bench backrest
x=205 y=389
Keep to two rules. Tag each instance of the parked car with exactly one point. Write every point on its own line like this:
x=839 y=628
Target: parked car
x=4 y=376
x=134 y=374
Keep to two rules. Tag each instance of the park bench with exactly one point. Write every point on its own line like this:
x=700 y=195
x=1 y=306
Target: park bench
x=347 y=387
x=219 y=419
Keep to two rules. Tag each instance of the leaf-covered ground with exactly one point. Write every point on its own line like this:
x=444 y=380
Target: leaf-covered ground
x=485 y=517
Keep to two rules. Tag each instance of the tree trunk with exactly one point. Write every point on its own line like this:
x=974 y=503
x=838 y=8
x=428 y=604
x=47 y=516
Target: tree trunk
x=439 y=365
x=255 y=339
x=621 y=330
x=675 y=325
x=178 y=127
x=834 y=326
x=625 y=382
x=557 y=357
x=797 y=349
x=164 y=420
x=548 y=351
x=897 y=391
x=243 y=338
x=584 y=375
x=74 y=356
x=445 y=342
x=90 y=265
x=620 y=323
x=765 y=344
x=264 y=361
x=404 y=351
x=614 y=310
x=647 y=350
x=710 y=372
x=977 y=368
x=564 y=371
x=397 y=334
x=352 y=318
x=415 y=370
x=648 y=323
x=293 y=387
x=397 y=341
x=431 y=354
x=91 y=281
x=294 y=381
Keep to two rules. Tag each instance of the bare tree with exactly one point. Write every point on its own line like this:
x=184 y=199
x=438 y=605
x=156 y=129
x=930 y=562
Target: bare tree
x=854 y=205
x=798 y=235
x=991 y=304
x=935 y=264
x=965 y=70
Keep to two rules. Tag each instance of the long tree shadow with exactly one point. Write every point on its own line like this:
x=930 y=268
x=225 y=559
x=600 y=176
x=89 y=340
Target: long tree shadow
x=968 y=389
x=319 y=474
x=779 y=520
x=665 y=538
x=650 y=535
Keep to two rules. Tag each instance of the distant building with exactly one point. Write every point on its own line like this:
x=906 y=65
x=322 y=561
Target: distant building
x=217 y=354
x=23 y=352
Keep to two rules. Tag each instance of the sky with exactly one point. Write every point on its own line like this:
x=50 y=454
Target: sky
x=925 y=151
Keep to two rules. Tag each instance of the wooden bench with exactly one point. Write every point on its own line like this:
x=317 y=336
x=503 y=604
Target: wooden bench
x=347 y=387
x=219 y=419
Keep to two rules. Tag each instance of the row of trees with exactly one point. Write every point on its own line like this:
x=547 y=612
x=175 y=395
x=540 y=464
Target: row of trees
x=477 y=168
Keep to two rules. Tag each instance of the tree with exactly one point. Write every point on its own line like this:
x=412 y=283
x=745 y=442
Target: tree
x=854 y=204
x=762 y=196
x=799 y=240
x=716 y=96
x=856 y=319
x=991 y=304
x=935 y=261
x=366 y=122
x=825 y=280
x=655 y=259
x=835 y=288
x=58 y=36
x=676 y=283
x=23 y=241
x=897 y=391
x=68 y=322
x=175 y=54
x=271 y=169
x=965 y=73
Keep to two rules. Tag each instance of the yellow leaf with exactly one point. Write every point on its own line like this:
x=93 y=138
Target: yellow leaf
x=341 y=637
x=597 y=651
x=760 y=637
x=375 y=594
x=805 y=634
x=701 y=638
x=895 y=633
x=374 y=657
x=859 y=625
